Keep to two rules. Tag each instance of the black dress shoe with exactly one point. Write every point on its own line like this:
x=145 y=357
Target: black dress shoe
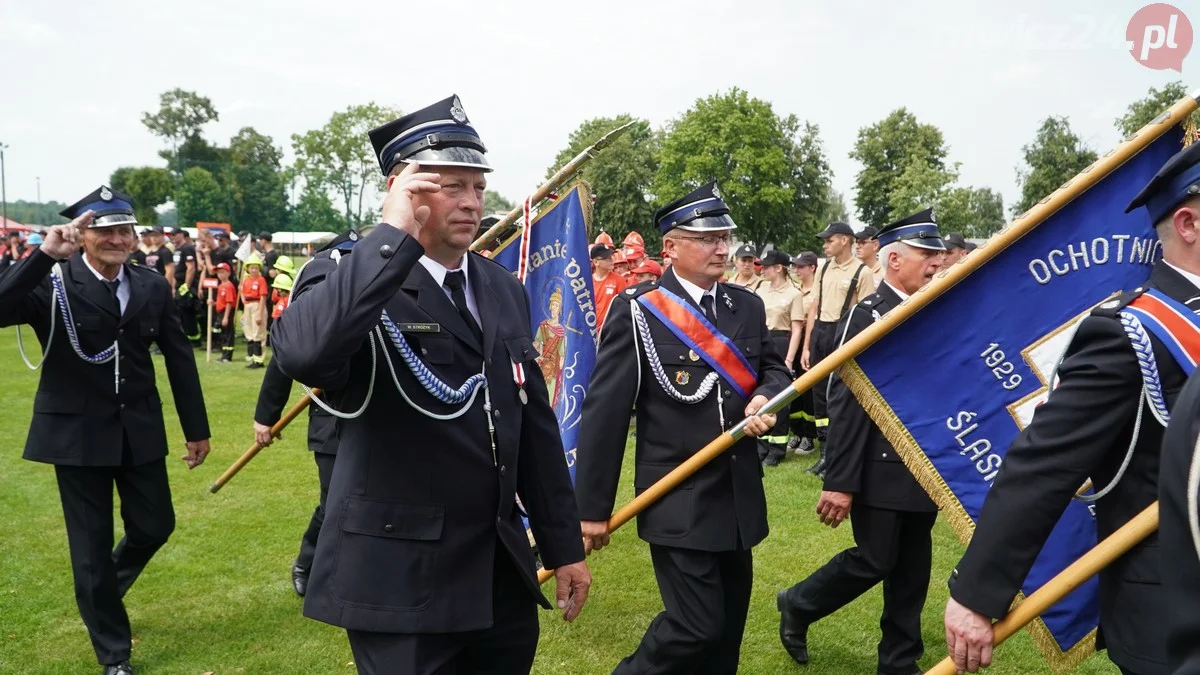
x=817 y=469
x=793 y=633
x=299 y=580
x=122 y=668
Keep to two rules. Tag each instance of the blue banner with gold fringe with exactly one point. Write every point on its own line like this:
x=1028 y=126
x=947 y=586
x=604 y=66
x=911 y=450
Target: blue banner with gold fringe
x=989 y=346
x=558 y=277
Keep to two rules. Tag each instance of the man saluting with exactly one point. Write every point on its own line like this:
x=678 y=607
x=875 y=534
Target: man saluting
x=424 y=560
x=97 y=415
x=696 y=357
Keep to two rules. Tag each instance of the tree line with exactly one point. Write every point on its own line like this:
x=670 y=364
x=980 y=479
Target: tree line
x=772 y=169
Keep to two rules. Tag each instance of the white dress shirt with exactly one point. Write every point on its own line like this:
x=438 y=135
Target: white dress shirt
x=695 y=292
x=122 y=288
x=897 y=291
x=439 y=273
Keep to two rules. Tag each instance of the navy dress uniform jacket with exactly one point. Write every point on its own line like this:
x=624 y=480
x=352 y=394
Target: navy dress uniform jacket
x=416 y=506
x=79 y=417
x=1083 y=431
x=860 y=458
x=272 y=397
x=721 y=507
x=1182 y=580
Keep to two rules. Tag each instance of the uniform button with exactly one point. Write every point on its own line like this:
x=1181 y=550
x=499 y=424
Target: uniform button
x=734 y=457
x=496 y=413
x=122 y=380
x=386 y=250
x=499 y=519
x=424 y=351
x=121 y=333
x=727 y=392
x=503 y=469
x=885 y=455
x=681 y=357
x=122 y=406
x=388 y=527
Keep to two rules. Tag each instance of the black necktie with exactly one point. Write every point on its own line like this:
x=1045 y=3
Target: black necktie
x=454 y=281
x=706 y=304
x=112 y=290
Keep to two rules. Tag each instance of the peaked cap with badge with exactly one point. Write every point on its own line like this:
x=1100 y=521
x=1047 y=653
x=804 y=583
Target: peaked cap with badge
x=437 y=135
x=111 y=208
x=1176 y=181
x=918 y=230
x=701 y=210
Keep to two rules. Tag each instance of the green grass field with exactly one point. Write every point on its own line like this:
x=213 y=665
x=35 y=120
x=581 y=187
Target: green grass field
x=218 y=599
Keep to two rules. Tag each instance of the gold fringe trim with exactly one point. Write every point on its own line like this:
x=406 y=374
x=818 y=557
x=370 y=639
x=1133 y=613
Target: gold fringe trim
x=931 y=481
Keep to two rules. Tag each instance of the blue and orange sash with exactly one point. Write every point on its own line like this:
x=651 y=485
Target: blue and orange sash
x=689 y=325
x=1172 y=322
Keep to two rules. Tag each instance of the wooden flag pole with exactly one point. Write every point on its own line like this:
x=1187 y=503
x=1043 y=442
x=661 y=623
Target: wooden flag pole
x=208 y=348
x=276 y=432
x=507 y=223
x=1087 y=566
x=943 y=282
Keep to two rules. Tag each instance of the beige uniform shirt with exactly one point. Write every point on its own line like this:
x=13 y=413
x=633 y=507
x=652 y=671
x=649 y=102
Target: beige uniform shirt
x=733 y=280
x=877 y=272
x=783 y=306
x=833 y=283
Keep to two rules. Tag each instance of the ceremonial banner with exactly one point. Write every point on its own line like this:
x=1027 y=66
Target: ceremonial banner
x=987 y=348
x=558 y=277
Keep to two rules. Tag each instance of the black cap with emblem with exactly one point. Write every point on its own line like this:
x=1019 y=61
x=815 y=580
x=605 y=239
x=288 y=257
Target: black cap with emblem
x=867 y=232
x=805 y=259
x=701 y=210
x=437 y=135
x=836 y=228
x=1177 y=180
x=776 y=257
x=601 y=251
x=745 y=251
x=955 y=240
x=916 y=230
x=109 y=207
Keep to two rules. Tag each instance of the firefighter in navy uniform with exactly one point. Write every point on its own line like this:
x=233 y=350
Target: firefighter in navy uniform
x=322 y=433
x=428 y=567
x=701 y=533
x=97 y=415
x=890 y=513
x=1085 y=430
x=1179 y=521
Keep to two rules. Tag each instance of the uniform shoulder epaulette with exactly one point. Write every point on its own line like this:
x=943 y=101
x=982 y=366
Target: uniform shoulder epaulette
x=871 y=300
x=1111 y=307
x=738 y=289
x=640 y=289
x=483 y=258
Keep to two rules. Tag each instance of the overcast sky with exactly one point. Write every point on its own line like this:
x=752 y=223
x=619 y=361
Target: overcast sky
x=75 y=77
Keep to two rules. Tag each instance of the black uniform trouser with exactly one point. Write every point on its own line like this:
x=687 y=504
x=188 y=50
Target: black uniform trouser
x=705 y=599
x=894 y=547
x=822 y=343
x=187 y=314
x=223 y=336
x=103 y=574
x=308 y=544
x=774 y=444
x=507 y=648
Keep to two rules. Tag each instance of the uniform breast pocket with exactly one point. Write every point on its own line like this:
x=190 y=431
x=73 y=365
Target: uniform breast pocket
x=683 y=367
x=387 y=553
x=148 y=328
x=520 y=349
x=88 y=322
x=433 y=347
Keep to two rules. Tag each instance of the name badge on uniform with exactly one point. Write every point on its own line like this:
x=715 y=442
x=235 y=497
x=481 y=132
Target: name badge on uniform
x=419 y=327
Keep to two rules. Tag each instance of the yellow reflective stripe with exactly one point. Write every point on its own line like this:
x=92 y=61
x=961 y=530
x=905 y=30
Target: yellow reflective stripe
x=801 y=415
x=821 y=421
x=779 y=440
